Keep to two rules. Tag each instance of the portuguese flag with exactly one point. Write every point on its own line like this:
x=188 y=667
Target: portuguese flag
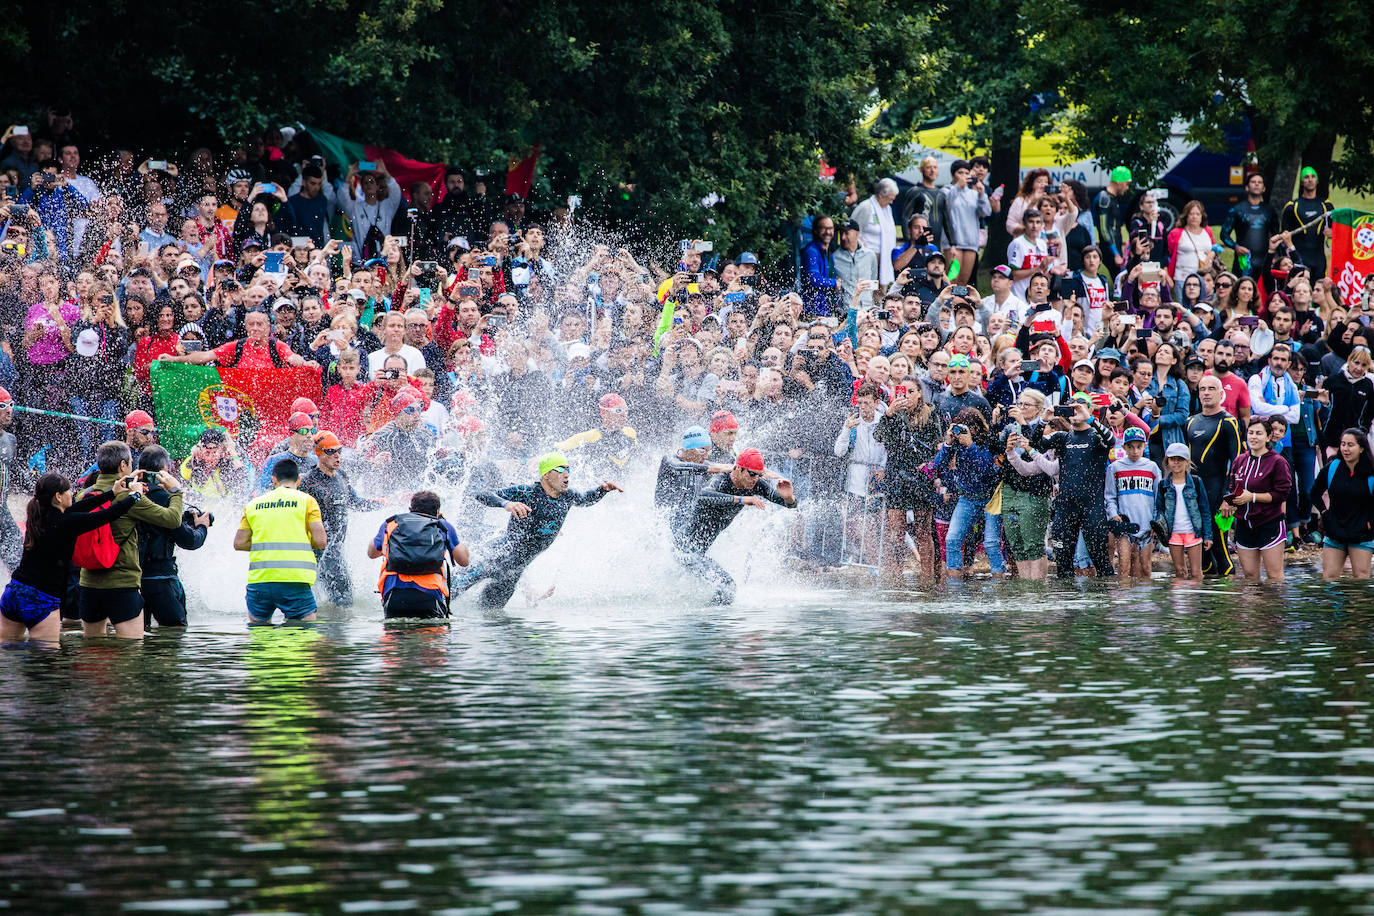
x=1352 y=250
x=253 y=405
x=343 y=153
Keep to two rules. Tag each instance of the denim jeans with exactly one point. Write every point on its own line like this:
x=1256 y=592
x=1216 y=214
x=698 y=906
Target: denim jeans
x=965 y=516
x=1303 y=459
x=89 y=435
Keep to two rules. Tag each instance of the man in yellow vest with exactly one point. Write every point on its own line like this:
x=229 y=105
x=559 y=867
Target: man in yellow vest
x=281 y=529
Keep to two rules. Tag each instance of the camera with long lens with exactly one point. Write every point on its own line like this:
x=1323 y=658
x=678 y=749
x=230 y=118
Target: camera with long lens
x=189 y=513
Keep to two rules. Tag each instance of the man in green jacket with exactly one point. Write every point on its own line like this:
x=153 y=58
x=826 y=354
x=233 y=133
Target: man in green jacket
x=112 y=595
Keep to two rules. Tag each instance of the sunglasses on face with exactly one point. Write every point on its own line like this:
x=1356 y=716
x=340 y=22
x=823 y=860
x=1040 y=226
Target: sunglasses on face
x=1225 y=285
x=330 y=451
x=146 y=431
x=411 y=409
x=754 y=474
x=306 y=431
x=561 y=469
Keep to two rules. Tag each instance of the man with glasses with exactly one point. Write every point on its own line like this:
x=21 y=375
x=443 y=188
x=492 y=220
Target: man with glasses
x=300 y=447
x=537 y=512
x=401 y=448
x=826 y=370
x=417 y=336
x=328 y=482
x=723 y=498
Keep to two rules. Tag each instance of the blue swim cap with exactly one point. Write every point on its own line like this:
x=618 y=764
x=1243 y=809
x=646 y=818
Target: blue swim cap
x=1134 y=434
x=695 y=437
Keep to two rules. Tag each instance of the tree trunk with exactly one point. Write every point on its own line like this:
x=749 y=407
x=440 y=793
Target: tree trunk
x=1285 y=179
x=1319 y=154
x=1006 y=170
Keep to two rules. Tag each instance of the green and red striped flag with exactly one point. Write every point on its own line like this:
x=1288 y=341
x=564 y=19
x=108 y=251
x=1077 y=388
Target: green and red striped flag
x=343 y=153
x=253 y=405
x=1352 y=250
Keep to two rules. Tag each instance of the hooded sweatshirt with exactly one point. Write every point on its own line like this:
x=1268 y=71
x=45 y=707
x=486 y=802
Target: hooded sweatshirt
x=1268 y=473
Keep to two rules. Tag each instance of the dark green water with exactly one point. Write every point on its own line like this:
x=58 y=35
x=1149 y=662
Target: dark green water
x=1162 y=749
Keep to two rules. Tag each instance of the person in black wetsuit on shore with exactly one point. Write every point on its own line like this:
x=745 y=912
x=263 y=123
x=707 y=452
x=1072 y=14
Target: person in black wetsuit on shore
x=54 y=523
x=537 y=512
x=1084 y=451
x=716 y=507
x=1214 y=440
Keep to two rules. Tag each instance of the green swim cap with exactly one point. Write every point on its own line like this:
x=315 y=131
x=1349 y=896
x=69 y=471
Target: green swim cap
x=1120 y=173
x=550 y=461
x=1307 y=170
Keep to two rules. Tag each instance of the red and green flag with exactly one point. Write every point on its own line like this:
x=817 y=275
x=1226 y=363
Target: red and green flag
x=343 y=153
x=1352 y=250
x=252 y=405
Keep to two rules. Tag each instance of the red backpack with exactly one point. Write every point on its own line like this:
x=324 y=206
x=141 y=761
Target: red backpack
x=96 y=549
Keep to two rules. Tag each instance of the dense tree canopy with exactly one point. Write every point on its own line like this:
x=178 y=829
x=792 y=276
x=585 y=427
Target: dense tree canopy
x=647 y=107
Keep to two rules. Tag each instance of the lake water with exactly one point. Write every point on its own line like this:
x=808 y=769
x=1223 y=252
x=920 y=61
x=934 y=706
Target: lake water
x=622 y=749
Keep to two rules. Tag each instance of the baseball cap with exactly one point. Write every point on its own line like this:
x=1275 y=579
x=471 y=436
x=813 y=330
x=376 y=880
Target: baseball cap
x=249 y=242
x=460 y=241
x=550 y=460
x=614 y=402
x=579 y=350
x=695 y=437
x=356 y=294
x=514 y=198
x=237 y=175
x=854 y=225
x=1120 y=173
x=959 y=361
x=1002 y=269
x=748 y=258
x=934 y=256
x=87 y=343
x=190 y=328
x=722 y=420
x=1307 y=170
x=326 y=440
x=1194 y=361
x=1084 y=364
x=963 y=305
x=299 y=420
x=1203 y=307
x=138 y=418
x=1178 y=450
x=1109 y=353
x=1081 y=397
x=751 y=459
x=284 y=303
x=1134 y=434
x=187 y=262
x=304 y=405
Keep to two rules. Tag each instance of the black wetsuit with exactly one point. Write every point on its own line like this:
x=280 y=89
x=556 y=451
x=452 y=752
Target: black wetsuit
x=716 y=507
x=1080 y=507
x=164 y=598
x=336 y=497
x=677 y=490
x=525 y=538
x=1214 y=443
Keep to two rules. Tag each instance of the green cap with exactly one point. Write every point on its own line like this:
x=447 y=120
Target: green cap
x=1120 y=173
x=1307 y=170
x=550 y=461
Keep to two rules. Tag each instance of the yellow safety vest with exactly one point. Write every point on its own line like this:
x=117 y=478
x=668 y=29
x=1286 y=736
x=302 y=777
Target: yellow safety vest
x=281 y=549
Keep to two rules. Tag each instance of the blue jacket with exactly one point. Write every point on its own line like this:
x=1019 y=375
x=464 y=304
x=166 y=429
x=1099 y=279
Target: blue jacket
x=1194 y=498
x=818 y=279
x=975 y=475
x=1173 y=399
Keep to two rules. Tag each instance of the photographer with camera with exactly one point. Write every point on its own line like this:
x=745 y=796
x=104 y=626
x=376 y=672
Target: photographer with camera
x=58 y=204
x=1084 y=451
x=164 y=598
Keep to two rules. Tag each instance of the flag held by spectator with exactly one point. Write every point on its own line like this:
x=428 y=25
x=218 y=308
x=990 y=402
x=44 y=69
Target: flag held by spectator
x=343 y=153
x=1352 y=250
x=252 y=405
x=520 y=174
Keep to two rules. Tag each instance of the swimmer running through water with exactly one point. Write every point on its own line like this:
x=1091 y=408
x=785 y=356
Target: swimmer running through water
x=537 y=511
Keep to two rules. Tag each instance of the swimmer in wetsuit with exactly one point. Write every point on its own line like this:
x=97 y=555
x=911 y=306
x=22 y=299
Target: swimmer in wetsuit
x=716 y=507
x=537 y=512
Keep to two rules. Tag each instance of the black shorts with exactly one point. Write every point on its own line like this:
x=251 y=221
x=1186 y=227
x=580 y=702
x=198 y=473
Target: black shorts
x=1259 y=537
x=413 y=602
x=113 y=604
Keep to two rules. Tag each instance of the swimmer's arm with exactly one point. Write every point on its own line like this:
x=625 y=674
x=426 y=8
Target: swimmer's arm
x=498 y=499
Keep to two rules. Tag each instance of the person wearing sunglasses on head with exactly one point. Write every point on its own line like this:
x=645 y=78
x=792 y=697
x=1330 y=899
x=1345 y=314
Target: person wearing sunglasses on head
x=537 y=511
x=723 y=498
x=300 y=447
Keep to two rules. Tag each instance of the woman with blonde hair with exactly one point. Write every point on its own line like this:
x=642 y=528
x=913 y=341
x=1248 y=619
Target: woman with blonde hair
x=911 y=432
x=1190 y=246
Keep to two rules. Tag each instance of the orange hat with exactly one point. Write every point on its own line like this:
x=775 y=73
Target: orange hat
x=138 y=418
x=304 y=405
x=324 y=440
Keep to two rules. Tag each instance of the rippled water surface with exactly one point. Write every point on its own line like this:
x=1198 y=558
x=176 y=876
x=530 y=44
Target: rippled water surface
x=1158 y=749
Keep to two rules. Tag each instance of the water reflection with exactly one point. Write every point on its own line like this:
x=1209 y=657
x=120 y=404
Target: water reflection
x=1163 y=748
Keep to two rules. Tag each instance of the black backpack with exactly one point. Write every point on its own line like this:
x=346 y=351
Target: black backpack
x=417 y=546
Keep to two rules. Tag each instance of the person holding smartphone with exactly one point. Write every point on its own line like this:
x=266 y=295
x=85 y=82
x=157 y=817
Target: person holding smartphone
x=1084 y=452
